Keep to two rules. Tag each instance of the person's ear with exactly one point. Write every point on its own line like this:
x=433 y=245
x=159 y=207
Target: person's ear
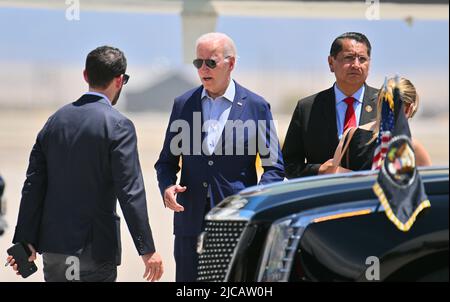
x=330 y=63
x=118 y=81
x=231 y=62
x=408 y=110
x=85 y=76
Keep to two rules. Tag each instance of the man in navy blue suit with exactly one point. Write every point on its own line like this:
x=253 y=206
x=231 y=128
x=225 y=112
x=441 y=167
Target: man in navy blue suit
x=84 y=159
x=217 y=130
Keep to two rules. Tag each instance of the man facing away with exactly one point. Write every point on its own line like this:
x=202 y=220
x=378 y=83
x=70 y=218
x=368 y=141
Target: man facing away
x=85 y=158
x=222 y=161
x=319 y=120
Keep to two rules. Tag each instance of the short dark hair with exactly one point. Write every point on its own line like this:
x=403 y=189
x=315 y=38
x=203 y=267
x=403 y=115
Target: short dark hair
x=336 y=47
x=103 y=64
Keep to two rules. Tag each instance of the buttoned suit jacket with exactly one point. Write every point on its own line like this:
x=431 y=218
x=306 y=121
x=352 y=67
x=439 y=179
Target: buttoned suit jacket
x=225 y=174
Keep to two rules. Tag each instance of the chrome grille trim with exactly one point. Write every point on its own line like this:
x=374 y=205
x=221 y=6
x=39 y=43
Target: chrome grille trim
x=219 y=246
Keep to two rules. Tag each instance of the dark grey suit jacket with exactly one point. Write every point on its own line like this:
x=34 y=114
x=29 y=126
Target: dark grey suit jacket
x=84 y=159
x=312 y=137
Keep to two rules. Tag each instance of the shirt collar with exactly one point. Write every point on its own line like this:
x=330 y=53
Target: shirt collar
x=340 y=96
x=100 y=95
x=228 y=95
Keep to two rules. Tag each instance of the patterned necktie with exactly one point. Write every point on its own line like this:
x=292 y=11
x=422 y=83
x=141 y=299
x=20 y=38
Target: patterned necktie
x=350 y=117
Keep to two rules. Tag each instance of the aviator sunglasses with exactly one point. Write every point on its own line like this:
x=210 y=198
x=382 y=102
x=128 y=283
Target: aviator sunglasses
x=210 y=63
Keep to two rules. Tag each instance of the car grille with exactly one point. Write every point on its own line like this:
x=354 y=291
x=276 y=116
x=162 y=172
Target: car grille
x=220 y=240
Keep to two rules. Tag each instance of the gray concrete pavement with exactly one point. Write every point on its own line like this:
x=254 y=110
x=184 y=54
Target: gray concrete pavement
x=18 y=130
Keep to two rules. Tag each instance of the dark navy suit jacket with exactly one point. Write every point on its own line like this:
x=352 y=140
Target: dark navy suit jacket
x=84 y=158
x=225 y=174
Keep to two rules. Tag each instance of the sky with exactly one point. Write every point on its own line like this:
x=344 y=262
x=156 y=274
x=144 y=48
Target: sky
x=286 y=43
x=280 y=58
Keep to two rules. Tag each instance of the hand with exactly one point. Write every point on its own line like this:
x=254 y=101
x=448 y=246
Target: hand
x=170 y=197
x=153 y=266
x=327 y=167
x=12 y=262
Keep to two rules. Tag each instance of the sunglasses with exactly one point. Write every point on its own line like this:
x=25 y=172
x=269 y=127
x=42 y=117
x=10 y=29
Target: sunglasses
x=210 y=63
x=125 y=78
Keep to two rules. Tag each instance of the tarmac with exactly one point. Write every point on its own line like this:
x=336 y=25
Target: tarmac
x=18 y=130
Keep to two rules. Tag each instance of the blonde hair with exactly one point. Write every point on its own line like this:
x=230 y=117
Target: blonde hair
x=408 y=95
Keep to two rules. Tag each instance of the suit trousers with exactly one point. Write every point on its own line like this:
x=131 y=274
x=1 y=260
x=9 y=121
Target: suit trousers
x=185 y=252
x=77 y=268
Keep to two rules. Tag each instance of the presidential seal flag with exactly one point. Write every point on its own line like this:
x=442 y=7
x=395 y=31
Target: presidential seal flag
x=399 y=186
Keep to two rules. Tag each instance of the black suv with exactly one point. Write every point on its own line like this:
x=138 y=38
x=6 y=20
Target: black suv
x=2 y=207
x=324 y=228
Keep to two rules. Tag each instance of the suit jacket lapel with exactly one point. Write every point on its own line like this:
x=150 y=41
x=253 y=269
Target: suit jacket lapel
x=369 y=106
x=329 y=113
x=197 y=107
x=197 y=101
x=238 y=103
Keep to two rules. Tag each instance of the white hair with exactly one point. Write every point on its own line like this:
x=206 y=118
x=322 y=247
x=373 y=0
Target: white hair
x=229 y=48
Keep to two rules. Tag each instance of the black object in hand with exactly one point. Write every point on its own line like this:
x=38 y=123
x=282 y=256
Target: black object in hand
x=21 y=252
